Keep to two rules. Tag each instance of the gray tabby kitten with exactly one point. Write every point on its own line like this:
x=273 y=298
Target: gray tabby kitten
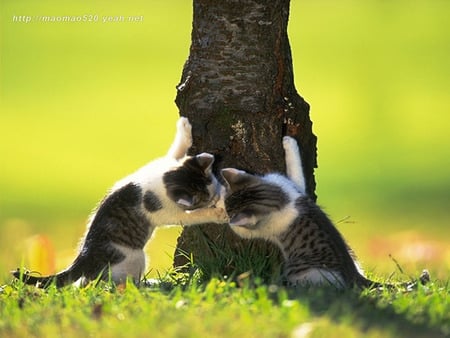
x=277 y=208
x=175 y=189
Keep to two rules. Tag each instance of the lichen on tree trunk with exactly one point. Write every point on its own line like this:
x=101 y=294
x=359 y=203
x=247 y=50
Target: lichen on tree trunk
x=237 y=89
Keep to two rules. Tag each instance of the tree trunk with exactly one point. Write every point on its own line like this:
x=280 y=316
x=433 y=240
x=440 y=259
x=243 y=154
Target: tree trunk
x=237 y=89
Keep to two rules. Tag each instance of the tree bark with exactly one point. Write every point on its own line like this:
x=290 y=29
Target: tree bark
x=237 y=89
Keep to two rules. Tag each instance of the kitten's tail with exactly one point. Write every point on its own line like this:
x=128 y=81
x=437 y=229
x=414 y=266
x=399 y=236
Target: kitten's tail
x=63 y=278
x=363 y=282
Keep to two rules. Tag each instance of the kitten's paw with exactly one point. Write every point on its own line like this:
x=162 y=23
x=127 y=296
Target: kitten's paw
x=209 y=215
x=184 y=129
x=222 y=215
x=424 y=277
x=290 y=144
x=220 y=202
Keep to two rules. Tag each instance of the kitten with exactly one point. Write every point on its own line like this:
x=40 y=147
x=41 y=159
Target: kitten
x=176 y=189
x=277 y=208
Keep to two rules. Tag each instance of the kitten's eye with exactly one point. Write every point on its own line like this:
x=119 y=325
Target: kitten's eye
x=185 y=202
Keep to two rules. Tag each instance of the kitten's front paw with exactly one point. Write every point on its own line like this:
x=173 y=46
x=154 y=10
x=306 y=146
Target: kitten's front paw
x=184 y=129
x=208 y=215
x=220 y=203
x=289 y=144
x=221 y=215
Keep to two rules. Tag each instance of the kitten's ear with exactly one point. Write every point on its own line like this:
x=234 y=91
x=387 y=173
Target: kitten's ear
x=236 y=178
x=205 y=161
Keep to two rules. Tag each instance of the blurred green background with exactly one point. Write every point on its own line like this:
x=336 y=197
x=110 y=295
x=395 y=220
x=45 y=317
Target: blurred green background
x=85 y=103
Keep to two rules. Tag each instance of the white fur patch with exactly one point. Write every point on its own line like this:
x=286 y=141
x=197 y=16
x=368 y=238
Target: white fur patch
x=284 y=183
x=183 y=139
x=132 y=266
x=270 y=227
x=278 y=222
x=294 y=168
x=243 y=221
x=318 y=277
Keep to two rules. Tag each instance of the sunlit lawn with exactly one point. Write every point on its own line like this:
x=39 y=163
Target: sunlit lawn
x=83 y=104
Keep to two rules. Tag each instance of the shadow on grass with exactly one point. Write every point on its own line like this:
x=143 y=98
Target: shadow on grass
x=407 y=314
x=369 y=310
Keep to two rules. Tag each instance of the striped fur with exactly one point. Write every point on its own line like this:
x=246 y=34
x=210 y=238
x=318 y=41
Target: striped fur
x=315 y=251
x=276 y=208
x=272 y=208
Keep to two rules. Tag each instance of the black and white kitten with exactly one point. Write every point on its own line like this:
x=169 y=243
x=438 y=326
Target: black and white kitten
x=173 y=190
x=277 y=208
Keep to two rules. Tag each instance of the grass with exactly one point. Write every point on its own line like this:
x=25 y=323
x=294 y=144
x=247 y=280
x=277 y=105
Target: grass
x=221 y=308
x=82 y=105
